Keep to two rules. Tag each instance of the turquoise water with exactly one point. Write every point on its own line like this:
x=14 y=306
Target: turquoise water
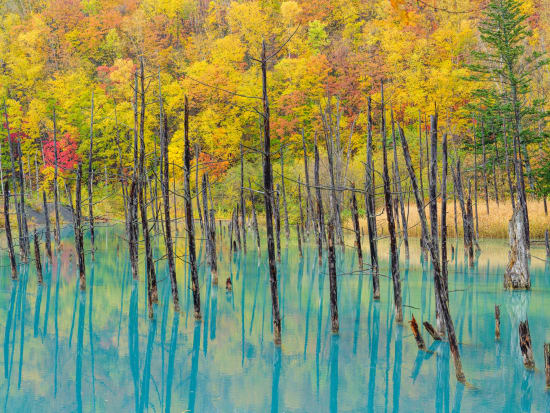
x=66 y=351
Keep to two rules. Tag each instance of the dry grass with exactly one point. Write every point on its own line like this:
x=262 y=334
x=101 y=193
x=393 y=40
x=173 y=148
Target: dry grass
x=491 y=225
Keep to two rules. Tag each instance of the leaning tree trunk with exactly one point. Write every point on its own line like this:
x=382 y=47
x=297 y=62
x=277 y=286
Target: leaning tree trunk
x=517 y=273
x=453 y=343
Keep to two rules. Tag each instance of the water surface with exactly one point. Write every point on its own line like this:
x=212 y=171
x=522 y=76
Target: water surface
x=66 y=351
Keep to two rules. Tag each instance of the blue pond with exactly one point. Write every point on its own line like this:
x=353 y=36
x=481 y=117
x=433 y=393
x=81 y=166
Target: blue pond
x=98 y=351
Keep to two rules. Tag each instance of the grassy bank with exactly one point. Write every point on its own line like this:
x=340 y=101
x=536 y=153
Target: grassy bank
x=492 y=224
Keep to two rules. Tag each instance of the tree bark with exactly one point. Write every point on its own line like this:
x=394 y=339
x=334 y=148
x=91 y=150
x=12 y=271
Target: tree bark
x=268 y=193
x=370 y=207
x=332 y=278
x=517 y=273
x=391 y=224
x=7 y=225
x=189 y=217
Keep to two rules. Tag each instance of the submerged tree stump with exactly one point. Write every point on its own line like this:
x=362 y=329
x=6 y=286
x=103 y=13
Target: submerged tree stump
x=417 y=335
x=497 y=322
x=547 y=363
x=525 y=345
x=517 y=276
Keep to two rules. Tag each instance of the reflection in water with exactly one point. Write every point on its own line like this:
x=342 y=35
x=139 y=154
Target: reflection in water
x=67 y=351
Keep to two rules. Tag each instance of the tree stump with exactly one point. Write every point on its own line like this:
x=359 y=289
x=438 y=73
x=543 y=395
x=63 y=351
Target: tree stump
x=525 y=345
x=517 y=276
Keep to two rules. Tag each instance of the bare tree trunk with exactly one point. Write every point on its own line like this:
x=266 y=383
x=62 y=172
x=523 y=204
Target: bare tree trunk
x=444 y=263
x=189 y=218
x=90 y=179
x=391 y=224
x=320 y=213
x=283 y=193
x=453 y=343
x=357 y=230
x=485 y=173
x=309 y=200
x=332 y=278
x=142 y=195
x=268 y=193
x=243 y=208
x=277 y=210
x=497 y=322
x=18 y=207
x=37 y=261
x=7 y=226
x=79 y=240
x=399 y=188
x=517 y=273
x=416 y=333
x=432 y=183
x=525 y=345
x=47 y=230
x=165 y=188
x=197 y=190
x=370 y=207
x=57 y=234
x=254 y=218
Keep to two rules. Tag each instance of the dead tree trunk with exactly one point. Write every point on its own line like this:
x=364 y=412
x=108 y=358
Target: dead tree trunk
x=432 y=183
x=90 y=179
x=142 y=195
x=254 y=218
x=7 y=225
x=517 y=273
x=547 y=363
x=277 y=209
x=268 y=193
x=189 y=217
x=212 y=236
x=197 y=190
x=391 y=224
x=485 y=172
x=79 y=239
x=133 y=228
x=357 y=230
x=370 y=207
x=332 y=278
x=299 y=240
x=309 y=200
x=399 y=188
x=453 y=343
x=497 y=322
x=547 y=243
x=165 y=188
x=37 y=261
x=466 y=223
x=416 y=333
x=18 y=207
x=47 y=230
x=283 y=193
x=525 y=345
x=57 y=234
x=320 y=212
x=444 y=263
x=243 y=208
